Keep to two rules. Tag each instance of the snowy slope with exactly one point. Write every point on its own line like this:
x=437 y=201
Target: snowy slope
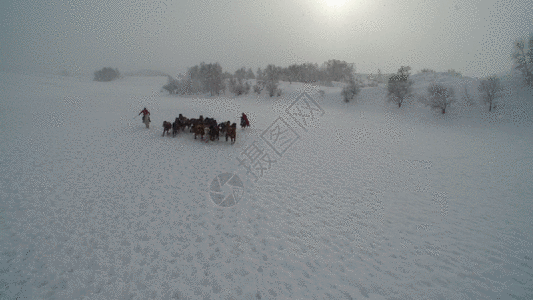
x=370 y=202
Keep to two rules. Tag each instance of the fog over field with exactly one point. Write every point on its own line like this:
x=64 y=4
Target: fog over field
x=389 y=153
x=472 y=37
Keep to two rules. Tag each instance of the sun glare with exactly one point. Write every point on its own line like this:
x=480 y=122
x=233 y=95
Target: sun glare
x=335 y=3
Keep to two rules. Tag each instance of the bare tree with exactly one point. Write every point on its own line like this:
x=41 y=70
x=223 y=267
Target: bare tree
x=399 y=86
x=440 y=97
x=490 y=90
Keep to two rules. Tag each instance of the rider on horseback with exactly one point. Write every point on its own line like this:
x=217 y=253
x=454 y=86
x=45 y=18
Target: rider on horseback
x=145 y=112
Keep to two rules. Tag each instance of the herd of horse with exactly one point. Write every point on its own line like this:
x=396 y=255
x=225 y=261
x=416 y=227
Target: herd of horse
x=201 y=127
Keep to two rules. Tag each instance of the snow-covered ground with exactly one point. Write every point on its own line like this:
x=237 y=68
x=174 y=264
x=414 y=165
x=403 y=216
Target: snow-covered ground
x=370 y=202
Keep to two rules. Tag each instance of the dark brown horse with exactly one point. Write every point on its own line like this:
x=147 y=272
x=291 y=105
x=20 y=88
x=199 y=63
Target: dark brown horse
x=175 y=127
x=214 y=133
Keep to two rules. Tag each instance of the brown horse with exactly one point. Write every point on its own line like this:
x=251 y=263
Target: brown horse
x=199 y=130
x=231 y=132
x=193 y=123
x=166 y=128
x=184 y=122
x=223 y=126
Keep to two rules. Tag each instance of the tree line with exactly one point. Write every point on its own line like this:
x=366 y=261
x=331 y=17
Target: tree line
x=212 y=79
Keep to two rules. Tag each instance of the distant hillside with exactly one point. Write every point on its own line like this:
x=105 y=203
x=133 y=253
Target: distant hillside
x=146 y=73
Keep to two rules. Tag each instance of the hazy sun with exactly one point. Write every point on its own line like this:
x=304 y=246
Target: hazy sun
x=335 y=3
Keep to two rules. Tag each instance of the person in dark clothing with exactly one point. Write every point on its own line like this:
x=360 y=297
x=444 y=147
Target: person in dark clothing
x=244 y=121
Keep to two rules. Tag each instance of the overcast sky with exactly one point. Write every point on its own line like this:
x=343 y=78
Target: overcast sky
x=471 y=36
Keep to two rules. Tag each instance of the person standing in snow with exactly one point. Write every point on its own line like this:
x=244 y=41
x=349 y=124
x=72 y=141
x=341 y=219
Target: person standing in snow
x=144 y=112
x=244 y=121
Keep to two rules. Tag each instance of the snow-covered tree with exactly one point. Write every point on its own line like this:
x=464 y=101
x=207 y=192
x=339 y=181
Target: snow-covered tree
x=440 y=97
x=454 y=73
x=257 y=89
x=195 y=80
x=240 y=73
x=250 y=74
x=271 y=78
x=259 y=74
x=380 y=76
x=212 y=78
x=490 y=89
x=523 y=58
x=399 y=86
x=426 y=70
x=337 y=70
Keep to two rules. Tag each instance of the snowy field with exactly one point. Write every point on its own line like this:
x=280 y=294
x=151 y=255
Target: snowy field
x=369 y=202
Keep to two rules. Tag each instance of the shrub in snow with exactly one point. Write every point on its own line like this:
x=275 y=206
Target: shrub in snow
x=278 y=92
x=440 y=97
x=399 y=86
x=238 y=88
x=106 y=74
x=350 y=91
x=490 y=89
x=272 y=88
